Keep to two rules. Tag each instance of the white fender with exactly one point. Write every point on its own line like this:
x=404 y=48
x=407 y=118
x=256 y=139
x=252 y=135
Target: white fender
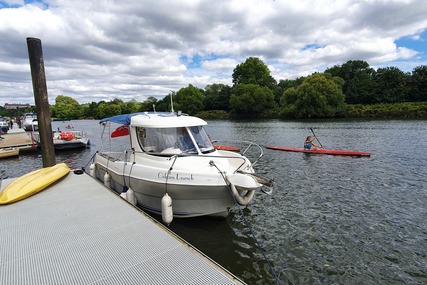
x=130 y=197
x=107 y=180
x=167 y=213
x=92 y=169
x=242 y=200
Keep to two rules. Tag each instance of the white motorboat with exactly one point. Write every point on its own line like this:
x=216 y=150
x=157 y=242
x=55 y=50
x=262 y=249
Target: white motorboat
x=29 y=122
x=66 y=137
x=70 y=140
x=172 y=156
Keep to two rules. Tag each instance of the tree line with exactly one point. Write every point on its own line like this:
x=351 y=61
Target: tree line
x=353 y=89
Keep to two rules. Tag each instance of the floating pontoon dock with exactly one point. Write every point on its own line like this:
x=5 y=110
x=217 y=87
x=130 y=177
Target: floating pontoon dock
x=78 y=232
x=17 y=138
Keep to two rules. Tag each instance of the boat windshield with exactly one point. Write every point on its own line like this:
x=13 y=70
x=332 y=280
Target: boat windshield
x=174 y=140
x=202 y=139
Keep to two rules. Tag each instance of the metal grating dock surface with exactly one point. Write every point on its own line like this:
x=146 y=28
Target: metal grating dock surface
x=78 y=232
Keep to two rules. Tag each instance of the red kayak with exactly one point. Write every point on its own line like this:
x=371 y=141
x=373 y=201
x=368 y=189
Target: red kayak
x=321 y=151
x=227 y=147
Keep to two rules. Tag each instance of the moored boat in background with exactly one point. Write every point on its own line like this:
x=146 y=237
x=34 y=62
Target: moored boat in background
x=29 y=122
x=70 y=140
x=66 y=137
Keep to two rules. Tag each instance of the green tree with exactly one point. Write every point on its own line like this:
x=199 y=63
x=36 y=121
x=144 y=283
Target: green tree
x=164 y=105
x=288 y=83
x=391 y=85
x=253 y=71
x=148 y=104
x=117 y=101
x=285 y=84
x=418 y=91
x=217 y=97
x=67 y=108
x=130 y=107
x=359 y=83
x=189 y=100
x=106 y=110
x=318 y=96
x=251 y=100
x=90 y=110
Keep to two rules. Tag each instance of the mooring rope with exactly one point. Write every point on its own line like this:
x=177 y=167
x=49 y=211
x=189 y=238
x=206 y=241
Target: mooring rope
x=92 y=159
x=174 y=157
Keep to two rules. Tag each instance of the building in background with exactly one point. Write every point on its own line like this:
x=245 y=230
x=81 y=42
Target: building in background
x=16 y=106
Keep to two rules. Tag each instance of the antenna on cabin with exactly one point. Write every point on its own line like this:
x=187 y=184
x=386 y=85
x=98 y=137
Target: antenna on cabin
x=170 y=91
x=172 y=102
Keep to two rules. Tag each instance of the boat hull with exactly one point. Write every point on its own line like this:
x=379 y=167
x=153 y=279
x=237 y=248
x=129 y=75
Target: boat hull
x=202 y=192
x=61 y=145
x=30 y=127
x=29 y=122
x=321 y=151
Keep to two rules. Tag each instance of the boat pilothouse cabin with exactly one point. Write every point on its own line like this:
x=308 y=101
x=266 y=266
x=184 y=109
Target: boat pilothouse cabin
x=173 y=155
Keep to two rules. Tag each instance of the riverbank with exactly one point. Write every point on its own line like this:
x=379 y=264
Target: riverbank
x=408 y=110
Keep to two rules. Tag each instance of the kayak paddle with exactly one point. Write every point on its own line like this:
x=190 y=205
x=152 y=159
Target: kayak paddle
x=316 y=138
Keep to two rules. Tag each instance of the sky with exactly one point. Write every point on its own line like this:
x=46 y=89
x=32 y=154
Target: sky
x=97 y=50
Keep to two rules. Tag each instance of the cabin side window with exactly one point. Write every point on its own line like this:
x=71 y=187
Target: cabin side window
x=147 y=139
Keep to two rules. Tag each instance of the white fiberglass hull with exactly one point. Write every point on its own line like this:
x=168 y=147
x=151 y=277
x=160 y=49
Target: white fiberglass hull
x=70 y=144
x=30 y=126
x=195 y=186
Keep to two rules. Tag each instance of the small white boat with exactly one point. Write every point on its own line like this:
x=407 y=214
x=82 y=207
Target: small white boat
x=172 y=156
x=70 y=140
x=66 y=137
x=29 y=122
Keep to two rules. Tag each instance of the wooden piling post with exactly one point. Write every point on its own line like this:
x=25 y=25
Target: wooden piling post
x=35 y=54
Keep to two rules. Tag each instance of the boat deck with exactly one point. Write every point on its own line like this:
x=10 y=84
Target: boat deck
x=78 y=232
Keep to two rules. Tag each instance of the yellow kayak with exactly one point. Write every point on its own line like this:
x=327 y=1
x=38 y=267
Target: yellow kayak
x=32 y=183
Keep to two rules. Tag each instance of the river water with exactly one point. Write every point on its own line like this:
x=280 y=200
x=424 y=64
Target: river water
x=330 y=219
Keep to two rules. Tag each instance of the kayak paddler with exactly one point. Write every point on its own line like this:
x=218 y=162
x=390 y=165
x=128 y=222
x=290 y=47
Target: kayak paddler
x=309 y=143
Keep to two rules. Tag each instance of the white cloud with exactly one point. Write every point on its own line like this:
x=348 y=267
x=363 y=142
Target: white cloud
x=101 y=50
